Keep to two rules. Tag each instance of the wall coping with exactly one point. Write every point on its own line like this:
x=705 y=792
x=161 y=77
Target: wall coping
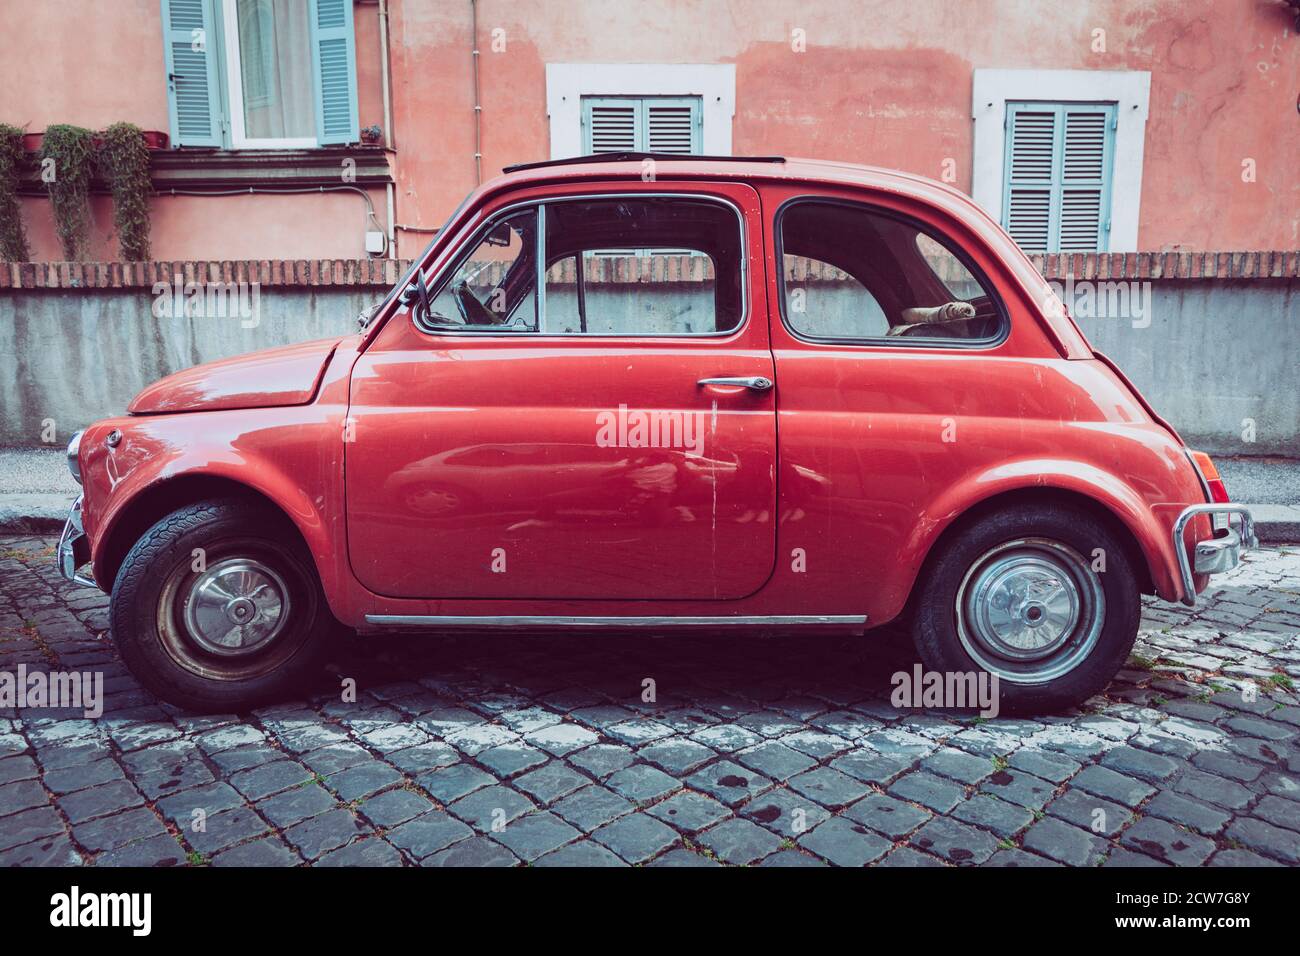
x=1193 y=266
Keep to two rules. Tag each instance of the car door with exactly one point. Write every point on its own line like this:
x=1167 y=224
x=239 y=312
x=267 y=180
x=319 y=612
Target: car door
x=577 y=443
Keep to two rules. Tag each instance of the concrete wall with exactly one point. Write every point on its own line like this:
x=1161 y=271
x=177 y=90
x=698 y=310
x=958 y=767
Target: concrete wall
x=72 y=357
x=1218 y=359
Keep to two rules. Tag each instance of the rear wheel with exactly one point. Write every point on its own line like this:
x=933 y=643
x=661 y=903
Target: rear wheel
x=219 y=607
x=1044 y=597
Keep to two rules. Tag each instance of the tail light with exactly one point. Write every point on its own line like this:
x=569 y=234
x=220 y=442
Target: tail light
x=1218 y=491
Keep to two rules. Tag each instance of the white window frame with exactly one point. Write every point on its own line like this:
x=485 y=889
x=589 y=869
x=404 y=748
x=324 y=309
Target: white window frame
x=1128 y=89
x=568 y=83
x=235 y=91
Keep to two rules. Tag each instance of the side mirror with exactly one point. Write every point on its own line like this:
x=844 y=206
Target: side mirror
x=416 y=294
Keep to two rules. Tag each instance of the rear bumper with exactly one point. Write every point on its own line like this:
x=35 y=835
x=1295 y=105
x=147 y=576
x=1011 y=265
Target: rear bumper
x=1213 y=555
x=74 y=548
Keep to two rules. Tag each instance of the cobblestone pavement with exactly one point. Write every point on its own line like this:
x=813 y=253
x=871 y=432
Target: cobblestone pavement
x=772 y=751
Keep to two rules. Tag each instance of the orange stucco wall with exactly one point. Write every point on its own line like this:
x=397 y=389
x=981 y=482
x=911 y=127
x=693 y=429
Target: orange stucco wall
x=881 y=81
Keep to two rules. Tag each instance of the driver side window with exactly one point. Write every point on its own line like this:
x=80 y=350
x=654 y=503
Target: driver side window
x=495 y=286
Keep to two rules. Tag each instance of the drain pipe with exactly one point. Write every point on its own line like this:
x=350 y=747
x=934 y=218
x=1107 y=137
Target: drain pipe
x=478 y=107
x=390 y=188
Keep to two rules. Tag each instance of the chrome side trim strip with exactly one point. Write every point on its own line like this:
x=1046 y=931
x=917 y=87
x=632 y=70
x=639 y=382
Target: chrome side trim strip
x=1248 y=540
x=545 y=620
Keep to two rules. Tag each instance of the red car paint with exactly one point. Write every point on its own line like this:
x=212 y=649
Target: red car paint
x=283 y=376
x=406 y=459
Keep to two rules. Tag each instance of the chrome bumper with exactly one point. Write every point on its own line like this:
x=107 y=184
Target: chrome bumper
x=1214 y=555
x=74 y=548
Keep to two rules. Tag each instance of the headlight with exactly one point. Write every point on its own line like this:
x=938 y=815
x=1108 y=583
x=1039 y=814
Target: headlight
x=74 y=466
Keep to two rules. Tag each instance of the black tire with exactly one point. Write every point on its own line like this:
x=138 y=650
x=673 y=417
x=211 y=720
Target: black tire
x=952 y=577
x=157 y=585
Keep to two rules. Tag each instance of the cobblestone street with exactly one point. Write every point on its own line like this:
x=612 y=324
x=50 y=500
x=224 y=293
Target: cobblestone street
x=774 y=751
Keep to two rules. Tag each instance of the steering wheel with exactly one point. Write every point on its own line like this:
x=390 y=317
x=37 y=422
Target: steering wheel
x=471 y=309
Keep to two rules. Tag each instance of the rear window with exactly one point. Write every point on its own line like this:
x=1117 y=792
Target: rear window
x=850 y=272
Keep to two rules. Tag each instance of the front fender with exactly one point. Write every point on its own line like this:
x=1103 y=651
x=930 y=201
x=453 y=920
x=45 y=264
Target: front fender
x=290 y=456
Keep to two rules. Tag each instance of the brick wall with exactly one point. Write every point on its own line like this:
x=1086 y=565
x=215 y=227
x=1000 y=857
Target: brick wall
x=1274 y=264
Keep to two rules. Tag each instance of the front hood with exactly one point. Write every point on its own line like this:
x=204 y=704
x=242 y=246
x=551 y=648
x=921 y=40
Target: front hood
x=281 y=376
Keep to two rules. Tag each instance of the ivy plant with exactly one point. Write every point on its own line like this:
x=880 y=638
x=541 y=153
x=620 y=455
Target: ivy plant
x=66 y=160
x=124 y=162
x=13 y=237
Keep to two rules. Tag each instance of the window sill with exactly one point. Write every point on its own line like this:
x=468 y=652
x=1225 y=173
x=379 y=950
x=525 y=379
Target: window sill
x=198 y=168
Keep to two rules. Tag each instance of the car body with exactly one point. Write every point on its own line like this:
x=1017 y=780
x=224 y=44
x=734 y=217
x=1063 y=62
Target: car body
x=770 y=469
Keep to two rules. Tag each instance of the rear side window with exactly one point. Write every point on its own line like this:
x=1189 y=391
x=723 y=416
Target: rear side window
x=620 y=266
x=853 y=273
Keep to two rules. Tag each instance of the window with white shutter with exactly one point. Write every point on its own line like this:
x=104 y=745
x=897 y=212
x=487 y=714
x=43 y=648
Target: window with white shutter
x=1059 y=157
x=643 y=124
x=193 y=98
x=269 y=74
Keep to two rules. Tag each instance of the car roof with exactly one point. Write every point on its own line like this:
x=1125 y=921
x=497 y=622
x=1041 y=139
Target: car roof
x=690 y=166
x=788 y=169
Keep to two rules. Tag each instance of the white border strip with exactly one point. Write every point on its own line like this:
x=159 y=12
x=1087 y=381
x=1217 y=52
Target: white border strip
x=1129 y=90
x=568 y=83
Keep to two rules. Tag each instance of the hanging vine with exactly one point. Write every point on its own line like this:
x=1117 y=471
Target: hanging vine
x=66 y=159
x=124 y=163
x=13 y=237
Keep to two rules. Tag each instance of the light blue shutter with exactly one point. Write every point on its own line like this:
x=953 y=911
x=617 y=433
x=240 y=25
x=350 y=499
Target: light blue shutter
x=642 y=124
x=1057 y=176
x=673 y=124
x=190 y=55
x=609 y=125
x=1086 y=160
x=334 y=61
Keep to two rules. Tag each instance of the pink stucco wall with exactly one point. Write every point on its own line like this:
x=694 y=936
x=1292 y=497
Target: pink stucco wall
x=882 y=81
x=885 y=82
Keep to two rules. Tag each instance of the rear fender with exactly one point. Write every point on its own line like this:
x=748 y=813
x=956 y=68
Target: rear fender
x=1144 y=522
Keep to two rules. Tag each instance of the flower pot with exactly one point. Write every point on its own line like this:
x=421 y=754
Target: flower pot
x=153 y=139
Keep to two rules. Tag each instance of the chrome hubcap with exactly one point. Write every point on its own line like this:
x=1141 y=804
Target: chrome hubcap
x=1030 y=610
x=236 y=607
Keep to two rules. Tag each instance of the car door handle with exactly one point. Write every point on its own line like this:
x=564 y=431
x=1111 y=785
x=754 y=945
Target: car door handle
x=755 y=383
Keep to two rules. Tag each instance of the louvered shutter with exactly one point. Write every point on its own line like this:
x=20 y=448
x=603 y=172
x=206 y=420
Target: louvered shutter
x=1056 y=197
x=334 y=62
x=189 y=52
x=648 y=124
x=610 y=125
x=1085 y=213
x=673 y=125
x=1031 y=159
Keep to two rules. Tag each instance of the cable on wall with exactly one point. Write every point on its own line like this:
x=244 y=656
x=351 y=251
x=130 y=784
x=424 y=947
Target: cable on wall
x=289 y=191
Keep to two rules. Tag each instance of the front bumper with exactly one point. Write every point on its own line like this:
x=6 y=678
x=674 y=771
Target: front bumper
x=1214 y=555
x=74 y=548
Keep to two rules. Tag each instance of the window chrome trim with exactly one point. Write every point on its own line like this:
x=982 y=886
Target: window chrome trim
x=539 y=253
x=453 y=259
x=904 y=342
x=547 y=620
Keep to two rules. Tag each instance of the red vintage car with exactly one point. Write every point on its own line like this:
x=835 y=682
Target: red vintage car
x=655 y=392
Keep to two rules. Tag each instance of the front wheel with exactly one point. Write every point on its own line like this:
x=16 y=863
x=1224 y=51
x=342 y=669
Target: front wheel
x=218 y=607
x=1043 y=596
